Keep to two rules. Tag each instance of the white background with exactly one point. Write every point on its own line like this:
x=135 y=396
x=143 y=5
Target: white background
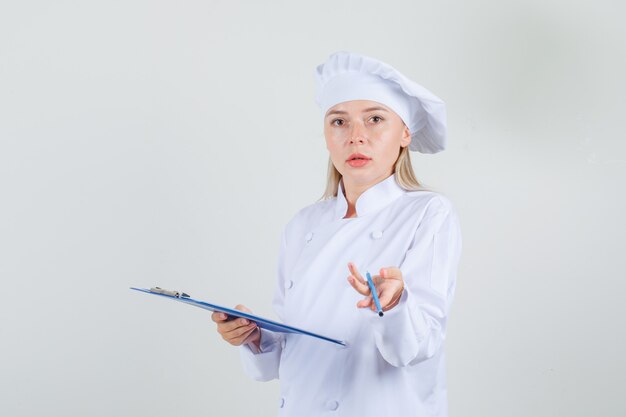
x=167 y=143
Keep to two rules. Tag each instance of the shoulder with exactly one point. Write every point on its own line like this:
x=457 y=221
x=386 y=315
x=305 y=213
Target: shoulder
x=308 y=216
x=313 y=212
x=431 y=212
x=436 y=215
x=428 y=203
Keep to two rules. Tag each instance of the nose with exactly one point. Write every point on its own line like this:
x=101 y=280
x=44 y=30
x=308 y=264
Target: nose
x=357 y=133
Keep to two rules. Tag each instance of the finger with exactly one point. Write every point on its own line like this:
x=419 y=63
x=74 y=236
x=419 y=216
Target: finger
x=391 y=272
x=238 y=331
x=362 y=289
x=390 y=294
x=246 y=337
x=242 y=338
x=355 y=272
x=386 y=297
x=366 y=302
x=357 y=281
x=232 y=322
x=377 y=280
x=229 y=326
x=218 y=316
x=243 y=308
x=242 y=331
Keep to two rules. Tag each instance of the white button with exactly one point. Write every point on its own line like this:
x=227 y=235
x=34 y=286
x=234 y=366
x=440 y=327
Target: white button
x=309 y=236
x=332 y=405
x=377 y=234
x=288 y=284
x=281 y=404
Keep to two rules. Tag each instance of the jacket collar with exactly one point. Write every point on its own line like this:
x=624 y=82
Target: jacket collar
x=371 y=200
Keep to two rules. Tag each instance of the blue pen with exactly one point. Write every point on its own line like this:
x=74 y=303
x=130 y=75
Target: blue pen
x=374 y=294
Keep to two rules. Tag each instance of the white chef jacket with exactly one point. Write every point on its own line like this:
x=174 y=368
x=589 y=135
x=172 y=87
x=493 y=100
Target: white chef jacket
x=392 y=365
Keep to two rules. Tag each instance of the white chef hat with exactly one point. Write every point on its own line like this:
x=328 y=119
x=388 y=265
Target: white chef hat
x=348 y=76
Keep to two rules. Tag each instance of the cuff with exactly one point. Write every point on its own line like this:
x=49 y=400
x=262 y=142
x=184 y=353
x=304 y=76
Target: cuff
x=399 y=333
x=262 y=365
x=269 y=341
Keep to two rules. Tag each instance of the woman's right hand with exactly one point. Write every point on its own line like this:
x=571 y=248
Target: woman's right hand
x=237 y=331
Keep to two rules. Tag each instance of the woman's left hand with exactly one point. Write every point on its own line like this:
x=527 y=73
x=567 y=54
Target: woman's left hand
x=389 y=285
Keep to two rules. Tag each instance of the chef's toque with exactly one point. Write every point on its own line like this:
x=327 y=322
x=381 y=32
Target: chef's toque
x=348 y=76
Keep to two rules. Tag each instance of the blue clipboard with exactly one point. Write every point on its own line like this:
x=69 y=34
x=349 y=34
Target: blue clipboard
x=260 y=321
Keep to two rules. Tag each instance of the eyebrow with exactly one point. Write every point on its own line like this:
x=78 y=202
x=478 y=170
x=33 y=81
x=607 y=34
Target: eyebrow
x=364 y=110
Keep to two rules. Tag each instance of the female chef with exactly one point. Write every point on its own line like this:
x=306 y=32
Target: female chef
x=376 y=217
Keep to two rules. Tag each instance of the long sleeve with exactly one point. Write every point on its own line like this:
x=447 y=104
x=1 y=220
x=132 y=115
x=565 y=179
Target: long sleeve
x=415 y=328
x=262 y=365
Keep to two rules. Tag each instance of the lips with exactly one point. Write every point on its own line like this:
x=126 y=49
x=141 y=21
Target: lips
x=358 y=156
x=358 y=160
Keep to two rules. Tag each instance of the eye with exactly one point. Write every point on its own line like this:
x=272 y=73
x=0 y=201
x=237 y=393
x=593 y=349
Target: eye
x=376 y=119
x=337 y=122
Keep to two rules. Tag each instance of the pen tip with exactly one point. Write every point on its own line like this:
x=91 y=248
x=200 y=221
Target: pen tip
x=380 y=313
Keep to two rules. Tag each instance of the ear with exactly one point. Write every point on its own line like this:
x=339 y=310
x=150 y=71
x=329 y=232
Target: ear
x=406 y=137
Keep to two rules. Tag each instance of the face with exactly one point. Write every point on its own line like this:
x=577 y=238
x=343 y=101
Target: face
x=368 y=128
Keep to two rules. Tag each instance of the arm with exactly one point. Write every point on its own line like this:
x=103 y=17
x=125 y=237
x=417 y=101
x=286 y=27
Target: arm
x=414 y=329
x=261 y=363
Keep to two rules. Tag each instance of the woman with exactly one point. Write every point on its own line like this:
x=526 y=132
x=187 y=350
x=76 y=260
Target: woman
x=376 y=218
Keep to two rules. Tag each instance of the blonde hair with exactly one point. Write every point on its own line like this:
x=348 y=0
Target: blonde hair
x=402 y=168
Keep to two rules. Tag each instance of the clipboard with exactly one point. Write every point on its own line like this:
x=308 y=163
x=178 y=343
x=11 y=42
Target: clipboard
x=260 y=321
